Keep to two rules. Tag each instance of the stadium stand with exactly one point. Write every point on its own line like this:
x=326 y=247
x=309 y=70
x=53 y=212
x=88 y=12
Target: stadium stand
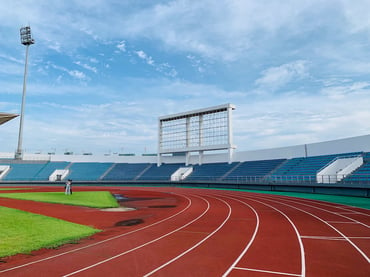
x=87 y=171
x=304 y=169
x=362 y=174
x=23 y=171
x=252 y=171
x=277 y=171
x=126 y=171
x=48 y=169
x=211 y=171
x=162 y=172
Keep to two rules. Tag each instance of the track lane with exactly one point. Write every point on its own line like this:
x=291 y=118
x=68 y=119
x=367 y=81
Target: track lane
x=215 y=256
x=277 y=242
x=325 y=250
x=329 y=251
x=178 y=249
x=54 y=264
x=125 y=260
x=344 y=225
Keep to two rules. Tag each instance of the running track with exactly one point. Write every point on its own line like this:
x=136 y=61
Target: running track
x=203 y=232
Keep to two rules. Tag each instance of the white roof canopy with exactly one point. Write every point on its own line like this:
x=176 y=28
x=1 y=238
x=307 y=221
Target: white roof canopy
x=4 y=117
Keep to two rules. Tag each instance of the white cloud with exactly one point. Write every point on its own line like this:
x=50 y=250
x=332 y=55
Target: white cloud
x=77 y=74
x=121 y=46
x=276 y=77
x=353 y=90
x=357 y=15
x=11 y=59
x=164 y=68
x=73 y=73
x=142 y=55
x=196 y=63
x=314 y=51
x=225 y=31
x=86 y=66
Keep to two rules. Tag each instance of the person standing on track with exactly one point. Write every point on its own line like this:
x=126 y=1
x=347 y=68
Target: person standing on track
x=68 y=187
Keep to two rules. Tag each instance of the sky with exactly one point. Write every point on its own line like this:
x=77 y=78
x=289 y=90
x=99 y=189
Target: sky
x=101 y=72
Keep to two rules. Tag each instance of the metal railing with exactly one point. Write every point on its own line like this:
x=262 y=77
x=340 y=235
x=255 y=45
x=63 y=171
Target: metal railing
x=272 y=179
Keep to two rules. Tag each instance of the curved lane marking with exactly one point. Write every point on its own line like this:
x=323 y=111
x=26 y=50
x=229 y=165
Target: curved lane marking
x=250 y=241
x=195 y=245
x=140 y=246
x=332 y=212
x=103 y=241
x=303 y=261
x=325 y=222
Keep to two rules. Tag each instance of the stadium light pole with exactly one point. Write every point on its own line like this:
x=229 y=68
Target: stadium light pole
x=27 y=40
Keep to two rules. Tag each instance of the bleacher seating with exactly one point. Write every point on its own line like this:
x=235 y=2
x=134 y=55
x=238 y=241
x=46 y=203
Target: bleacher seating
x=211 y=171
x=276 y=170
x=362 y=174
x=88 y=171
x=304 y=169
x=23 y=171
x=253 y=170
x=48 y=169
x=162 y=172
x=126 y=171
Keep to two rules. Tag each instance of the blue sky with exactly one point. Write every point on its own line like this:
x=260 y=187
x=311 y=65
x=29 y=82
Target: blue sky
x=102 y=71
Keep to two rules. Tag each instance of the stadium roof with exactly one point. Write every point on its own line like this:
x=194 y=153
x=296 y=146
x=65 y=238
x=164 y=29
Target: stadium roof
x=4 y=117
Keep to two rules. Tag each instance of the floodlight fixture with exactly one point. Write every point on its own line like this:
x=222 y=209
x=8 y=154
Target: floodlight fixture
x=26 y=37
x=27 y=40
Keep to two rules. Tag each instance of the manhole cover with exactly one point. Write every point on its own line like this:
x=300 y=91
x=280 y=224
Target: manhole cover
x=129 y=222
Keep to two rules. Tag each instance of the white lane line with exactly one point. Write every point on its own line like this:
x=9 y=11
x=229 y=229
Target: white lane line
x=103 y=241
x=196 y=245
x=266 y=271
x=303 y=202
x=140 y=246
x=250 y=241
x=323 y=238
x=344 y=212
x=303 y=260
x=346 y=209
x=332 y=238
x=342 y=222
x=320 y=219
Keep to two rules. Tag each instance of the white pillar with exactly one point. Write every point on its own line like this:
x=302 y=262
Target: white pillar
x=19 y=153
x=230 y=132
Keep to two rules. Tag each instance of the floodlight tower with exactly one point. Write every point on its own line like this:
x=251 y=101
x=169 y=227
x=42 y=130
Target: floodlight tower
x=27 y=40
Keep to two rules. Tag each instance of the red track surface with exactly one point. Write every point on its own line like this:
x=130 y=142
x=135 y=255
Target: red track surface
x=205 y=233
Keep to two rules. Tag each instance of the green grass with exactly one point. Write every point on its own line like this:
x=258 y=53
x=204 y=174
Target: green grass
x=94 y=199
x=23 y=232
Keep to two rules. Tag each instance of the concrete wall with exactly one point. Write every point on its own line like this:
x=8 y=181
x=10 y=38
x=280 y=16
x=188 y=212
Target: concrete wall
x=347 y=145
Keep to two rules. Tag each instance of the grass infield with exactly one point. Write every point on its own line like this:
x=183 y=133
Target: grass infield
x=93 y=199
x=23 y=232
